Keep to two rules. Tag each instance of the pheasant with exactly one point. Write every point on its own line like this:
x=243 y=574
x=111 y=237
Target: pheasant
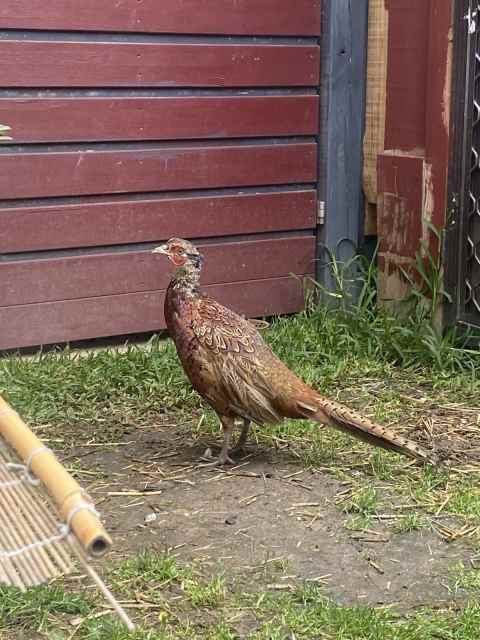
x=235 y=371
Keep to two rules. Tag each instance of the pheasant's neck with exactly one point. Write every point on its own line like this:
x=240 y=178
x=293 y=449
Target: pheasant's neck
x=187 y=279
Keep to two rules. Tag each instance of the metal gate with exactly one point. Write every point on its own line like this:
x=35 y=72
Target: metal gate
x=463 y=223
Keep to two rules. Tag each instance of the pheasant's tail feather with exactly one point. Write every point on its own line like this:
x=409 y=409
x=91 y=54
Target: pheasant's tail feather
x=342 y=418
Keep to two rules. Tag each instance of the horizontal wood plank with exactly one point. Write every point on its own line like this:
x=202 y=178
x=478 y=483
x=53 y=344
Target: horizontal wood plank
x=162 y=168
x=30 y=63
x=102 y=274
x=242 y=17
x=99 y=223
x=158 y=118
x=55 y=322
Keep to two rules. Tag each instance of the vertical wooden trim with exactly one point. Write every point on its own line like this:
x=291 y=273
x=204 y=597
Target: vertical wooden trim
x=342 y=91
x=375 y=107
x=376 y=92
x=438 y=107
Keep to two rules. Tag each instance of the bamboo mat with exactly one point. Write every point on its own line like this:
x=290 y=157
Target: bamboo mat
x=48 y=527
x=33 y=544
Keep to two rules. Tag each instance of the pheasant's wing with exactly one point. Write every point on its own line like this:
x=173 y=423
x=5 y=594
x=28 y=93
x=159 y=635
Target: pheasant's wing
x=221 y=330
x=241 y=359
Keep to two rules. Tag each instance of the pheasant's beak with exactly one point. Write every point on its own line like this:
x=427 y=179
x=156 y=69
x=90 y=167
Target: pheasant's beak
x=161 y=249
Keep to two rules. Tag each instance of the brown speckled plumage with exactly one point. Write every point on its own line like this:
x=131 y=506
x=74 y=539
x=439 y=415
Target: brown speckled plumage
x=236 y=372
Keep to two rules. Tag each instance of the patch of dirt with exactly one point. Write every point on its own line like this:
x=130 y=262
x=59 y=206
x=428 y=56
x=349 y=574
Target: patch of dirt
x=266 y=521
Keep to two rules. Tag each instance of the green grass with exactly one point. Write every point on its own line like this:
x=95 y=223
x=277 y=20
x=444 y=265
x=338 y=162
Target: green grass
x=152 y=572
x=306 y=613
x=309 y=614
x=149 y=567
x=410 y=522
x=361 y=504
x=466 y=500
x=367 y=358
x=101 y=388
x=467 y=579
x=364 y=502
x=39 y=606
x=207 y=594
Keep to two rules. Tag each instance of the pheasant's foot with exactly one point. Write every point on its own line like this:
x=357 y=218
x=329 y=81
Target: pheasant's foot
x=220 y=462
x=222 y=459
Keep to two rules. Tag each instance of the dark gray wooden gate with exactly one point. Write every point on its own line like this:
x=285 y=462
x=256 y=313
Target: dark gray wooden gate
x=342 y=119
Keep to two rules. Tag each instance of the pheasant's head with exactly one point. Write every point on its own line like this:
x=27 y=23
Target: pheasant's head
x=182 y=253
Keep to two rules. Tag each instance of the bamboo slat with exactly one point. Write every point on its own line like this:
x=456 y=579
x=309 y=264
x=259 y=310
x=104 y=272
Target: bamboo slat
x=32 y=543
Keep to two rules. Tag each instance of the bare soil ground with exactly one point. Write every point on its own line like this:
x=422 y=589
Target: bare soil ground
x=267 y=520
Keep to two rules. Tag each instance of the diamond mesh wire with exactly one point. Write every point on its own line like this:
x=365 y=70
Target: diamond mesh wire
x=472 y=250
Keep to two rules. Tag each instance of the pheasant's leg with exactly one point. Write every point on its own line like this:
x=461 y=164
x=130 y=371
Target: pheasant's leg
x=243 y=437
x=228 y=425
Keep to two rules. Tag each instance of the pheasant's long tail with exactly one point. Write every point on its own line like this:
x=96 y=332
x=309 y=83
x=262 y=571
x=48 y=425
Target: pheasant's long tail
x=344 y=419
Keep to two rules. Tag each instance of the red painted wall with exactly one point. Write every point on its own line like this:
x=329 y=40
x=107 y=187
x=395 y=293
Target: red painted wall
x=412 y=170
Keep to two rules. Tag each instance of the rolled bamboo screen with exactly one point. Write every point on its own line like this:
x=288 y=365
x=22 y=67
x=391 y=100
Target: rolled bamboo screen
x=74 y=506
x=34 y=546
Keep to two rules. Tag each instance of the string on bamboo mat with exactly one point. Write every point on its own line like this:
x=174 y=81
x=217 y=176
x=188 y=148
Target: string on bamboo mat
x=32 y=542
x=35 y=546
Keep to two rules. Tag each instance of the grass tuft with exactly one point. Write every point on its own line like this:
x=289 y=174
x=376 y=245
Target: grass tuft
x=148 y=566
x=410 y=522
x=205 y=594
x=364 y=501
x=308 y=614
x=467 y=579
x=33 y=608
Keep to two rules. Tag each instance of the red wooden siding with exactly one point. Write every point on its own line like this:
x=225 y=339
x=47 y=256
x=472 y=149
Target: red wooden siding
x=102 y=274
x=88 y=223
x=158 y=118
x=236 y=17
x=78 y=319
x=154 y=169
x=137 y=120
x=31 y=63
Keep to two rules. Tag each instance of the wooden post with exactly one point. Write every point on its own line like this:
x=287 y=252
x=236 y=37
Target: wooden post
x=342 y=98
